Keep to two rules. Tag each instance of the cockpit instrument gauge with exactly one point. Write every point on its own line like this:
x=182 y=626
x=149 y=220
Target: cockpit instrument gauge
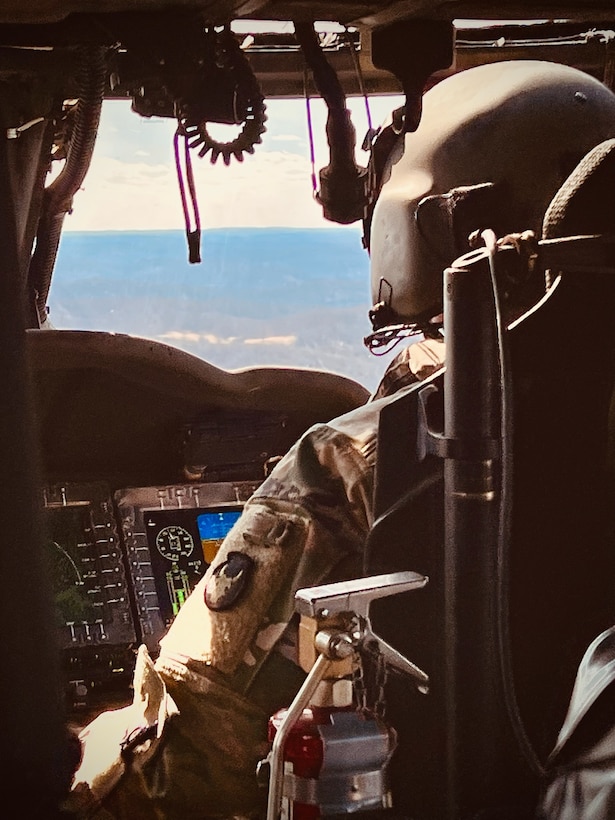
x=174 y=543
x=172 y=534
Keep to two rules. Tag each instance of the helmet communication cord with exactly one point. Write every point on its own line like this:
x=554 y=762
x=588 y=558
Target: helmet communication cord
x=193 y=235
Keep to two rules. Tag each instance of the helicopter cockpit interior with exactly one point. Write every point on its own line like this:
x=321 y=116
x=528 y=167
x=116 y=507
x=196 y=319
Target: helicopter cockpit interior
x=126 y=461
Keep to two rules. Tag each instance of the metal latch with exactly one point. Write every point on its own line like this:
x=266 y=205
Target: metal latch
x=350 y=600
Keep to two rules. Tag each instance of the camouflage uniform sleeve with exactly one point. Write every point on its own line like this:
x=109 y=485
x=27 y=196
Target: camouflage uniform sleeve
x=227 y=660
x=307 y=522
x=414 y=363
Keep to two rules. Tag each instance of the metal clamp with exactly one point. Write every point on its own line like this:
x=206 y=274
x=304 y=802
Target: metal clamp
x=354 y=598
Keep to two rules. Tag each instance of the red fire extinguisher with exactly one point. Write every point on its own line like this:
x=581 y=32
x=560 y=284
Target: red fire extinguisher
x=335 y=756
x=330 y=755
x=303 y=750
x=303 y=755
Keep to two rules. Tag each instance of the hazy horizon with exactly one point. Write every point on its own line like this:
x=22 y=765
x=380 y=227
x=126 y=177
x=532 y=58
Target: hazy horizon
x=294 y=297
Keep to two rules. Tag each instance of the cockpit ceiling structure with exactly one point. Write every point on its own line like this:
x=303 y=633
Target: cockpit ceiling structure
x=578 y=34
x=370 y=13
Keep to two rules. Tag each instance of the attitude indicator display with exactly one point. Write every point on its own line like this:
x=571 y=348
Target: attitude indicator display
x=182 y=544
x=214 y=526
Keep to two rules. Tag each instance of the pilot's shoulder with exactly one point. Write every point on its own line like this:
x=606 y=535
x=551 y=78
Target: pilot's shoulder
x=416 y=362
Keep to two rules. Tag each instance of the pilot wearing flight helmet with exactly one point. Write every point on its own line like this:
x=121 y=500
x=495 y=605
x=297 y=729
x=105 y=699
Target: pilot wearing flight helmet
x=190 y=743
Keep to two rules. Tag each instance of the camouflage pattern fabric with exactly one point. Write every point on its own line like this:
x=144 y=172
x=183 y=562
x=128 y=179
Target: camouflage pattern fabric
x=419 y=361
x=229 y=659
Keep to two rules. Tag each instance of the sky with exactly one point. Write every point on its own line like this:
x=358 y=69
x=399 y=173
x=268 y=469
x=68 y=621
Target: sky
x=132 y=183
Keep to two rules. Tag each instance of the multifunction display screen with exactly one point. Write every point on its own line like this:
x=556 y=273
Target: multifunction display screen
x=74 y=566
x=182 y=544
x=86 y=572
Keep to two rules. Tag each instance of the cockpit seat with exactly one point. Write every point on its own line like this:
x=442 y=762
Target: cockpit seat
x=562 y=550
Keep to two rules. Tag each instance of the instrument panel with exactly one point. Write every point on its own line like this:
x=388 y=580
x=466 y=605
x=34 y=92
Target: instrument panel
x=148 y=455
x=122 y=565
x=171 y=535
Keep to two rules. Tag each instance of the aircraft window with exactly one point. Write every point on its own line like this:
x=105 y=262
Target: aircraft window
x=278 y=285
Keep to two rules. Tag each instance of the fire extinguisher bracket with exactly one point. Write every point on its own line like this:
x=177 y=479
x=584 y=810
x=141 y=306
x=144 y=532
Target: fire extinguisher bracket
x=361 y=791
x=356 y=748
x=356 y=751
x=354 y=598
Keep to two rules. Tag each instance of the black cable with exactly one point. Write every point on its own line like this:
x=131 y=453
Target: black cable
x=193 y=234
x=325 y=78
x=371 y=132
x=505 y=523
x=57 y=197
x=236 y=64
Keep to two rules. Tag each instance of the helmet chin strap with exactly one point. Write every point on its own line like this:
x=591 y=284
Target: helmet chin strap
x=387 y=337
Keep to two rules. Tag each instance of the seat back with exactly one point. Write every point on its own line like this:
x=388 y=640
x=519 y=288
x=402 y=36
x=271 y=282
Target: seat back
x=560 y=555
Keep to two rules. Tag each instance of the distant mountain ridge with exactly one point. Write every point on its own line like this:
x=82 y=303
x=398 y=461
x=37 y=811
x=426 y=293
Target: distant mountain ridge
x=283 y=296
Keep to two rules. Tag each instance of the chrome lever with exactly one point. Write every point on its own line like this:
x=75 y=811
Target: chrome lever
x=354 y=598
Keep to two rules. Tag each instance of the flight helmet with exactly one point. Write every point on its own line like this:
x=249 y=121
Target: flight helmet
x=522 y=126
